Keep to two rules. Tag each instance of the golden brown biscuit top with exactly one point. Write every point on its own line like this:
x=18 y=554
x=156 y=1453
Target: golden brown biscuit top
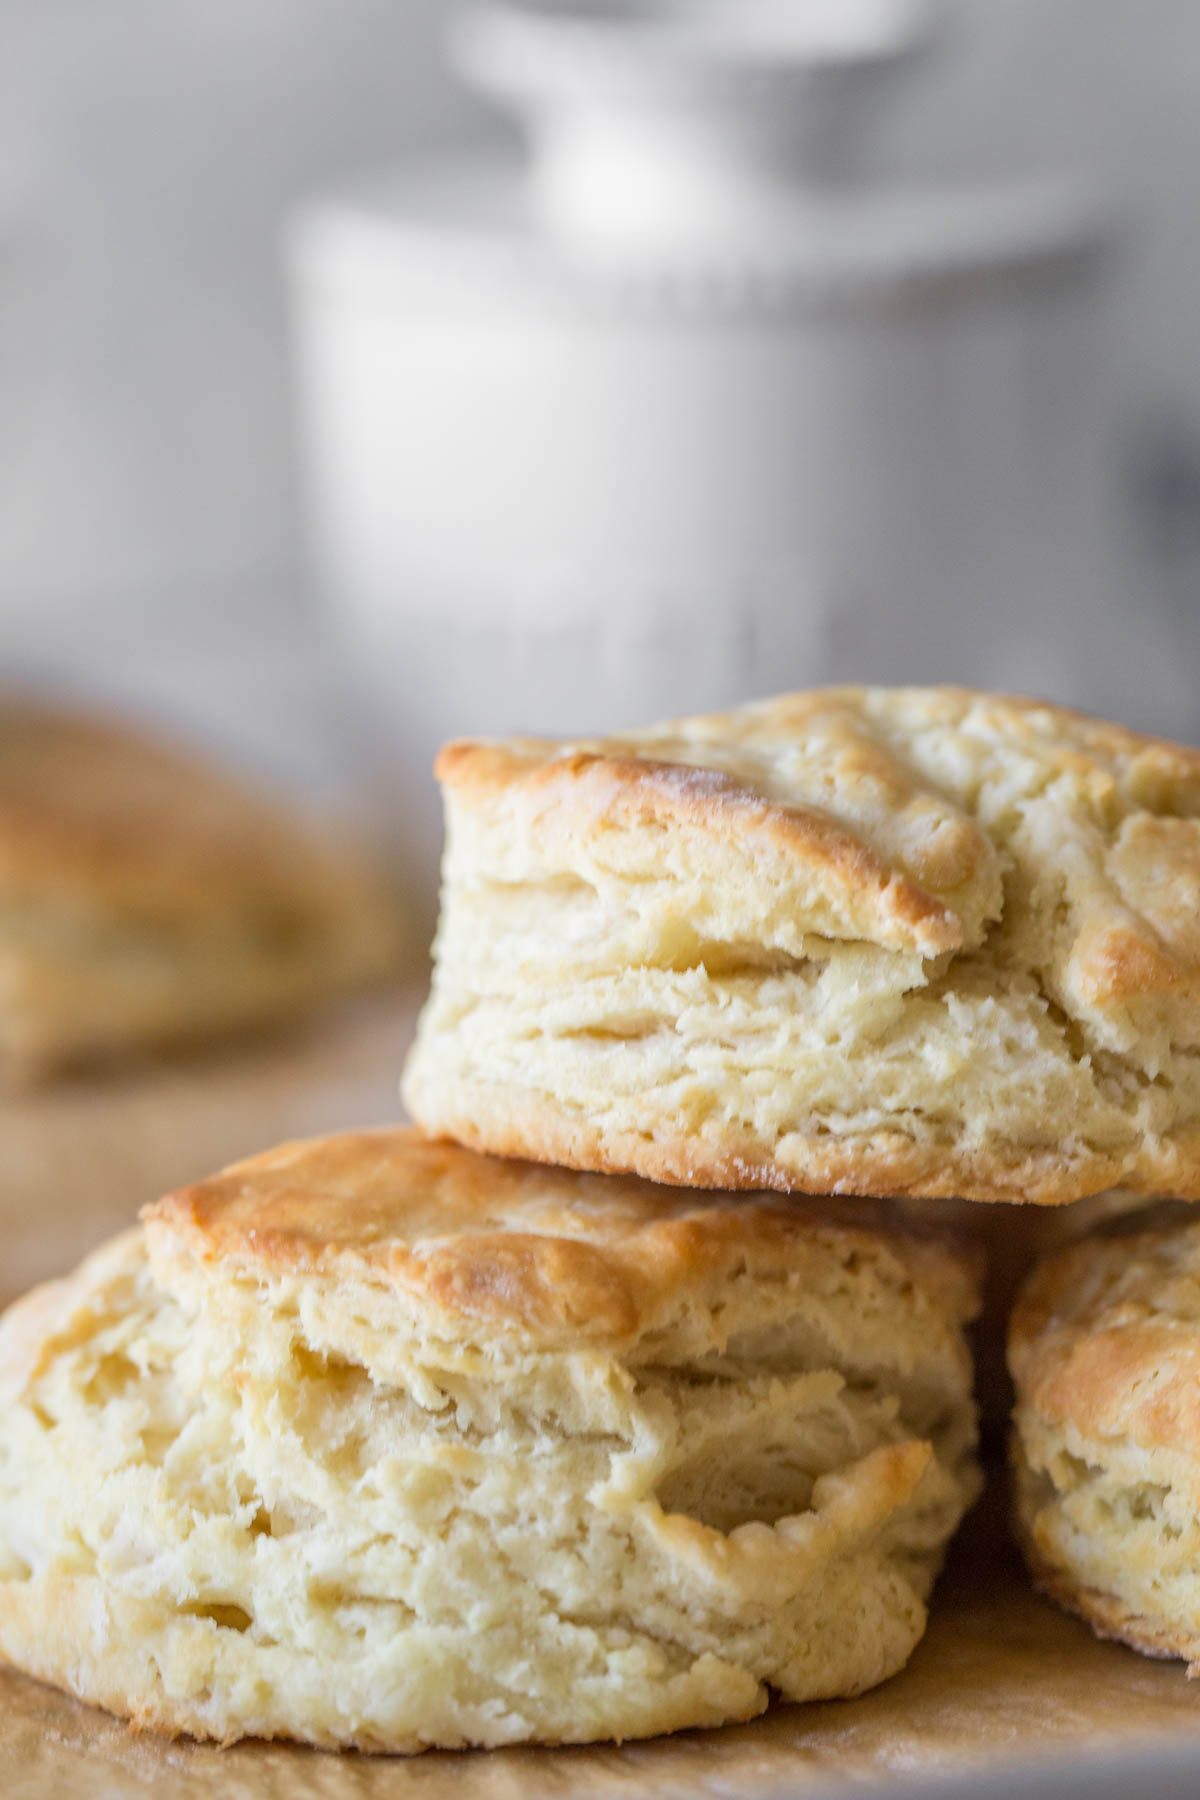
x=906 y=817
x=1105 y=1337
x=100 y=819
x=538 y=1250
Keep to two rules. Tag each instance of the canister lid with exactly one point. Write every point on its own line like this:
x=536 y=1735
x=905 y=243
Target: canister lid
x=699 y=153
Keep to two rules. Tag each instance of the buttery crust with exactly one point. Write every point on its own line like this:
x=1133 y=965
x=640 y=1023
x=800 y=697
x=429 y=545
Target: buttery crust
x=149 y=900
x=557 y=1257
x=909 y=941
x=1104 y=1349
x=372 y=1441
x=586 y=791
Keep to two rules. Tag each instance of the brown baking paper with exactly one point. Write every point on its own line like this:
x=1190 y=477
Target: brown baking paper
x=1001 y=1677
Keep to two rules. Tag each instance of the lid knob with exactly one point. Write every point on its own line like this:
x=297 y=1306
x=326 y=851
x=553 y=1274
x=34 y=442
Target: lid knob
x=669 y=121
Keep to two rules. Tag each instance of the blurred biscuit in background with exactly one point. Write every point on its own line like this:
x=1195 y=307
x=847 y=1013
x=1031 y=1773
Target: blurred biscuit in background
x=148 y=901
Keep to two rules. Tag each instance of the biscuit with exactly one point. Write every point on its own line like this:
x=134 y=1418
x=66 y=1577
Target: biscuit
x=373 y=1441
x=1104 y=1349
x=145 y=900
x=859 y=940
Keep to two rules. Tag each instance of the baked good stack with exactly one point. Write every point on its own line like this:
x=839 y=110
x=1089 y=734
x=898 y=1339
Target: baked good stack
x=916 y=943
x=547 y=1421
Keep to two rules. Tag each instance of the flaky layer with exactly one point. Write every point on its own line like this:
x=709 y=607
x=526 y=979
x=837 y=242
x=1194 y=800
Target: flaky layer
x=1104 y=1349
x=293 y=1499
x=913 y=941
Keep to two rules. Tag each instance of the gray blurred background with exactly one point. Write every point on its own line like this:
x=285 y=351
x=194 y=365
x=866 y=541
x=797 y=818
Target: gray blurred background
x=151 y=531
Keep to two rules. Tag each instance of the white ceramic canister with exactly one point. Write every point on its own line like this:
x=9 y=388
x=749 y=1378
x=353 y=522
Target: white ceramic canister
x=688 y=407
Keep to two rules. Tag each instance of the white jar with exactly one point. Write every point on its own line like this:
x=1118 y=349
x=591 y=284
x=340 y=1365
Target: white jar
x=596 y=437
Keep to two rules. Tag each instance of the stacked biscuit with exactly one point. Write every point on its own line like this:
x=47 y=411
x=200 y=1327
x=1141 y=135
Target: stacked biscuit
x=898 y=942
x=624 y=1390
